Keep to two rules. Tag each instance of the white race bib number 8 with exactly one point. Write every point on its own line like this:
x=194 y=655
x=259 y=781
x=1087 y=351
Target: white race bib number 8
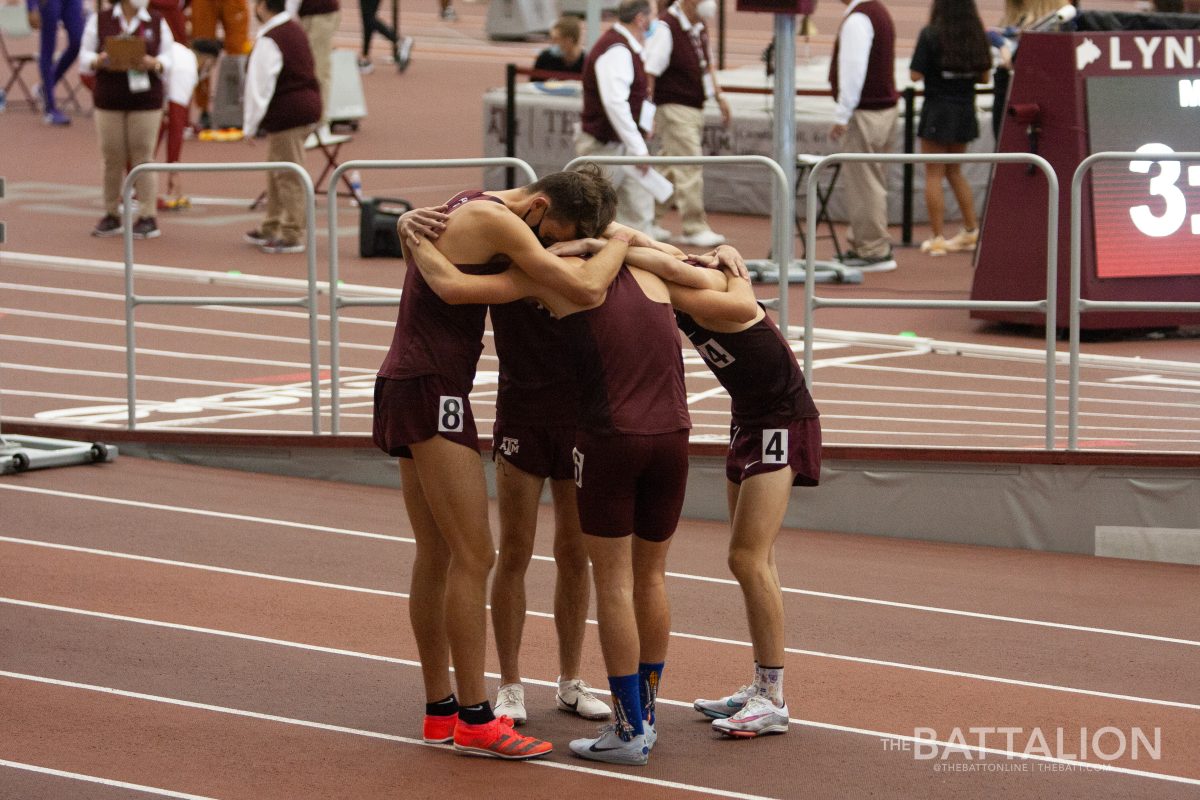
x=451 y=413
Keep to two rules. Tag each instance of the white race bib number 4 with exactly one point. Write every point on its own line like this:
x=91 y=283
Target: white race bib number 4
x=451 y=414
x=775 y=446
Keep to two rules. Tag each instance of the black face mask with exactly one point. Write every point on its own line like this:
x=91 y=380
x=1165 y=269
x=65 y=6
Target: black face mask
x=546 y=241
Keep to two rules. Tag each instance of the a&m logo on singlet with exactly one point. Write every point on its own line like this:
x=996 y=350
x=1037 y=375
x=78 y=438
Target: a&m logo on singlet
x=509 y=445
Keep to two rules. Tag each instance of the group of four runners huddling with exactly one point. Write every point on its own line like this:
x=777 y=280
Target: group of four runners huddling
x=591 y=397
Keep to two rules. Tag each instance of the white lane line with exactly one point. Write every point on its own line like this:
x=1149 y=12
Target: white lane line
x=1033 y=399
x=188 y=329
x=679 y=635
x=325 y=726
x=79 y=776
x=679 y=575
x=147 y=352
x=957 y=746
x=168 y=562
x=346 y=318
x=120 y=376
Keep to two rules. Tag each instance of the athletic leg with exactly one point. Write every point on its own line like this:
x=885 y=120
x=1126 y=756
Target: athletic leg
x=572 y=584
x=461 y=517
x=518 y=493
x=756 y=511
x=427 y=593
x=72 y=21
x=51 y=11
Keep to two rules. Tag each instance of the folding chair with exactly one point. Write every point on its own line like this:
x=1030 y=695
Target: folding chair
x=330 y=144
x=804 y=163
x=14 y=23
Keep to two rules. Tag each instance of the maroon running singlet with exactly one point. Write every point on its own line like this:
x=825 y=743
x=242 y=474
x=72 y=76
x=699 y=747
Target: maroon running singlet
x=631 y=454
x=424 y=384
x=774 y=419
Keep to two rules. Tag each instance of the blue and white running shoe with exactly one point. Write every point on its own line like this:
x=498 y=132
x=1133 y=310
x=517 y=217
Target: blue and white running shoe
x=726 y=706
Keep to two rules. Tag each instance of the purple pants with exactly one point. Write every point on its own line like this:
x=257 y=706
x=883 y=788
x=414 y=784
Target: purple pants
x=70 y=14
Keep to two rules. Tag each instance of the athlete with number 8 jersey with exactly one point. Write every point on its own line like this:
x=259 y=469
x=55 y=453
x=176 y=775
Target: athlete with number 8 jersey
x=774 y=444
x=423 y=416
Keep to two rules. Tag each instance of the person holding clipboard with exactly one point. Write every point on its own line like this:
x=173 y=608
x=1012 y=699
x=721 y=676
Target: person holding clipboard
x=127 y=46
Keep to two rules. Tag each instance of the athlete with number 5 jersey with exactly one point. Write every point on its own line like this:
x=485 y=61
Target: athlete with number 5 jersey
x=423 y=416
x=631 y=457
x=775 y=444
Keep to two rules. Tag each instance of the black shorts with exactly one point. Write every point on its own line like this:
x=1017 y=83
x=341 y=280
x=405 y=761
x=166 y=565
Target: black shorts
x=948 y=122
x=544 y=452
x=417 y=409
x=753 y=451
x=631 y=484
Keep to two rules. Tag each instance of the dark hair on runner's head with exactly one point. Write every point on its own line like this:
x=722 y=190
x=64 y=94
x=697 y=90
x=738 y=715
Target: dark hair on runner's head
x=631 y=8
x=962 y=37
x=584 y=197
x=275 y=6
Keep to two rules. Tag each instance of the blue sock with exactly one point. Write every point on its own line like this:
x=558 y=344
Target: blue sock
x=649 y=675
x=627 y=704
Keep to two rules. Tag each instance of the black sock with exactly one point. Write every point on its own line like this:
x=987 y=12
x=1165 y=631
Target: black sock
x=478 y=714
x=442 y=708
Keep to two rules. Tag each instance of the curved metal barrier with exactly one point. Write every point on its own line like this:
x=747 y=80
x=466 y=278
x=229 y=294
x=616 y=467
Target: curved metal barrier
x=309 y=301
x=783 y=242
x=336 y=301
x=1078 y=305
x=1046 y=306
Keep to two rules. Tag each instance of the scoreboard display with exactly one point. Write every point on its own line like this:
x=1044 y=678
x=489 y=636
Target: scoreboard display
x=1145 y=214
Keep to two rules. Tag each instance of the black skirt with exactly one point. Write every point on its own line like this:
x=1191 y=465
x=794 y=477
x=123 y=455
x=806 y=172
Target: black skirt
x=948 y=122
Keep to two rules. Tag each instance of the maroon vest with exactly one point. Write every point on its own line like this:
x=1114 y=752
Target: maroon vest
x=310 y=8
x=112 y=88
x=297 y=97
x=682 y=82
x=593 y=119
x=879 y=88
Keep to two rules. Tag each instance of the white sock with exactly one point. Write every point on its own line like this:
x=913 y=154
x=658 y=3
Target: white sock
x=769 y=682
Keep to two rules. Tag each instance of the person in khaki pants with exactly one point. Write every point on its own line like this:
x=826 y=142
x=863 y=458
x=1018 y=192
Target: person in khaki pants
x=283 y=100
x=129 y=102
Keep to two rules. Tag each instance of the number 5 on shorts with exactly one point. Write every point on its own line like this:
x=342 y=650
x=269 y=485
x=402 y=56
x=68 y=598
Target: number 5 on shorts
x=577 y=457
x=450 y=414
x=775 y=446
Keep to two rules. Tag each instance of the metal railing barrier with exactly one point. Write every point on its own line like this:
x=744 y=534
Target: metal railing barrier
x=1079 y=305
x=336 y=301
x=1047 y=306
x=309 y=301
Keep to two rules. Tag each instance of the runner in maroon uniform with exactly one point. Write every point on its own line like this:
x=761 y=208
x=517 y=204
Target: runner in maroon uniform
x=775 y=443
x=630 y=458
x=536 y=411
x=423 y=415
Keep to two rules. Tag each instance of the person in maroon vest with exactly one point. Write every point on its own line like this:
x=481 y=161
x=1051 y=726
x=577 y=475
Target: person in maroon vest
x=282 y=99
x=129 y=106
x=680 y=67
x=631 y=454
x=863 y=76
x=616 y=115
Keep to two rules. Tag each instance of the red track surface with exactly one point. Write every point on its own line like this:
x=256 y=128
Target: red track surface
x=134 y=591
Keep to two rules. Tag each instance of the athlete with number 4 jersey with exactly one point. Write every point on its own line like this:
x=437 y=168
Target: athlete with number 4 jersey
x=775 y=444
x=630 y=456
x=423 y=416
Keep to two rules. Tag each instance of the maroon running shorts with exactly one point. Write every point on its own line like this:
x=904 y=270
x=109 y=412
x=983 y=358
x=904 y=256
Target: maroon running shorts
x=631 y=483
x=544 y=452
x=417 y=409
x=753 y=451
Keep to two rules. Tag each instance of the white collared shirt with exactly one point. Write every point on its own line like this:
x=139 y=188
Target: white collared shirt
x=854 y=51
x=262 y=72
x=90 y=45
x=660 y=45
x=614 y=77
